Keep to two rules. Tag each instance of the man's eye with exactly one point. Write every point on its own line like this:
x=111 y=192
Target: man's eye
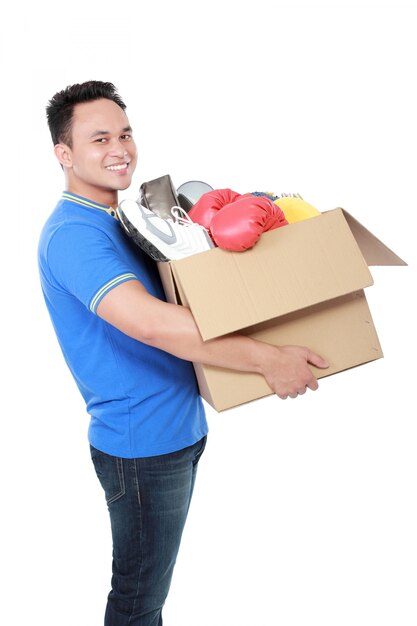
x=101 y=140
x=126 y=137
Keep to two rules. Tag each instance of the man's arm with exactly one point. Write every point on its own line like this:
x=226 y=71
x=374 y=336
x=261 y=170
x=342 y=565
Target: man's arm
x=170 y=327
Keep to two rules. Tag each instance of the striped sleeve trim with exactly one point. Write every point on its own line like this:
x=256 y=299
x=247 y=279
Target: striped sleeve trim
x=107 y=287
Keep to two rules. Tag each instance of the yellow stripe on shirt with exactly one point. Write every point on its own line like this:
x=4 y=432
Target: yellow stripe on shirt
x=107 y=287
x=83 y=202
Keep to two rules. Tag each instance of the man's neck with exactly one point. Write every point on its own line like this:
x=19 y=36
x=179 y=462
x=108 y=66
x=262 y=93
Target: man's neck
x=107 y=197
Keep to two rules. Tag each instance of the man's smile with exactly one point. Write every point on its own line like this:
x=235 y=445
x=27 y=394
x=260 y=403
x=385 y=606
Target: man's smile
x=117 y=168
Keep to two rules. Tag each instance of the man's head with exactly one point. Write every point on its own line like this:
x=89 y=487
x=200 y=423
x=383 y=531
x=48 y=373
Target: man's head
x=92 y=140
x=60 y=108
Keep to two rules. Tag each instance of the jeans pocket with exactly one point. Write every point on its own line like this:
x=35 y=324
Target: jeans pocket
x=199 y=452
x=109 y=470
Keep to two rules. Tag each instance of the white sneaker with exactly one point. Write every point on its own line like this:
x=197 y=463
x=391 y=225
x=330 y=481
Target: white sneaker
x=163 y=239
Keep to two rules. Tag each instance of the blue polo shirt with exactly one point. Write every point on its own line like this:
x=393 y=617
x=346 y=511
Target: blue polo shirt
x=142 y=401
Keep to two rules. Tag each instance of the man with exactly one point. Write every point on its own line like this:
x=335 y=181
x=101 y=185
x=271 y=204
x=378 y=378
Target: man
x=130 y=352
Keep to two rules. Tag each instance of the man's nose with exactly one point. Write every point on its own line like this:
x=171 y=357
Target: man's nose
x=118 y=148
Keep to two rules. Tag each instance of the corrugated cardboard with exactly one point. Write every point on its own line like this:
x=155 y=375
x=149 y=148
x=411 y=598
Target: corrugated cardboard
x=300 y=284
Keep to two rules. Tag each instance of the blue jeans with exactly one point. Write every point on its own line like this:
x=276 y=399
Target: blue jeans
x=148 y=501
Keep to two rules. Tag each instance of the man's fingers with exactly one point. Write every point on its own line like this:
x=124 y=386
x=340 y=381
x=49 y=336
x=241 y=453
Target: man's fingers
x=317 y=360
x=313 y=384
x=297 y=393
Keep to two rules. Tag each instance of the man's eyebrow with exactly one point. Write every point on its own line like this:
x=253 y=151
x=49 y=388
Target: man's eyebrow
x=96 y=133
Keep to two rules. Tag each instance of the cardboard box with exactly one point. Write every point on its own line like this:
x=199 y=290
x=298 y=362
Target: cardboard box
x=301 y=284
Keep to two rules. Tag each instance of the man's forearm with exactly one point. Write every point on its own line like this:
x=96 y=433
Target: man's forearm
x=172 y=328
x=131 y=309
x=179 y=335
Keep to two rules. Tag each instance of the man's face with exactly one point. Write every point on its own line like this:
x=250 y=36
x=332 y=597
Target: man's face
x=103 y=154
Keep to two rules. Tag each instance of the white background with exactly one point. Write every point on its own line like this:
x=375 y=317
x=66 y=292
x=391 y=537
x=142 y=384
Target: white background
x=305 y=510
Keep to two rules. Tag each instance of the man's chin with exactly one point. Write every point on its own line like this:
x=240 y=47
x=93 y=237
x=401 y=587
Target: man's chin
x=122 y=185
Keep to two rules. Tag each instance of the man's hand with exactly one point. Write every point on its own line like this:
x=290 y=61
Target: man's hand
x=287 y=372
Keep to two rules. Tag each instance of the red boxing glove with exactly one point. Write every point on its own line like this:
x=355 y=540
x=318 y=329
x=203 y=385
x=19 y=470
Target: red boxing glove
x=239 y=225
x=210 y=204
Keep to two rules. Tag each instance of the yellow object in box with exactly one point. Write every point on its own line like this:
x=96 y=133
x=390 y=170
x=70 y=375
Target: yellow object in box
x=296 y=209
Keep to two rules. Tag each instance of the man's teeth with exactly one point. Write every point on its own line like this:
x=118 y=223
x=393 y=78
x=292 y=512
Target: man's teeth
x=116 y=168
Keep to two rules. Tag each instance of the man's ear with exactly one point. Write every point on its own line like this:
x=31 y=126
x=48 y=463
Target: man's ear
x=63 y=154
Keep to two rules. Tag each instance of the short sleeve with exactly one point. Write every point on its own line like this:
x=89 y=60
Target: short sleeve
x=84 y=261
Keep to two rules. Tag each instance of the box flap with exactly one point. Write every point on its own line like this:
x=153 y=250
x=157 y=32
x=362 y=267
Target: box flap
x=288 y=269
x=374 y=251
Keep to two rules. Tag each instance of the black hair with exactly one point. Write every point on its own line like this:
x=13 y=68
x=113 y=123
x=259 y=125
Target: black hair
x=60 y=108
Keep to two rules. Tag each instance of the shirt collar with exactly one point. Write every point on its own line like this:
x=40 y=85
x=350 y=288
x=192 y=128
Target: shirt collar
x=67 y=195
